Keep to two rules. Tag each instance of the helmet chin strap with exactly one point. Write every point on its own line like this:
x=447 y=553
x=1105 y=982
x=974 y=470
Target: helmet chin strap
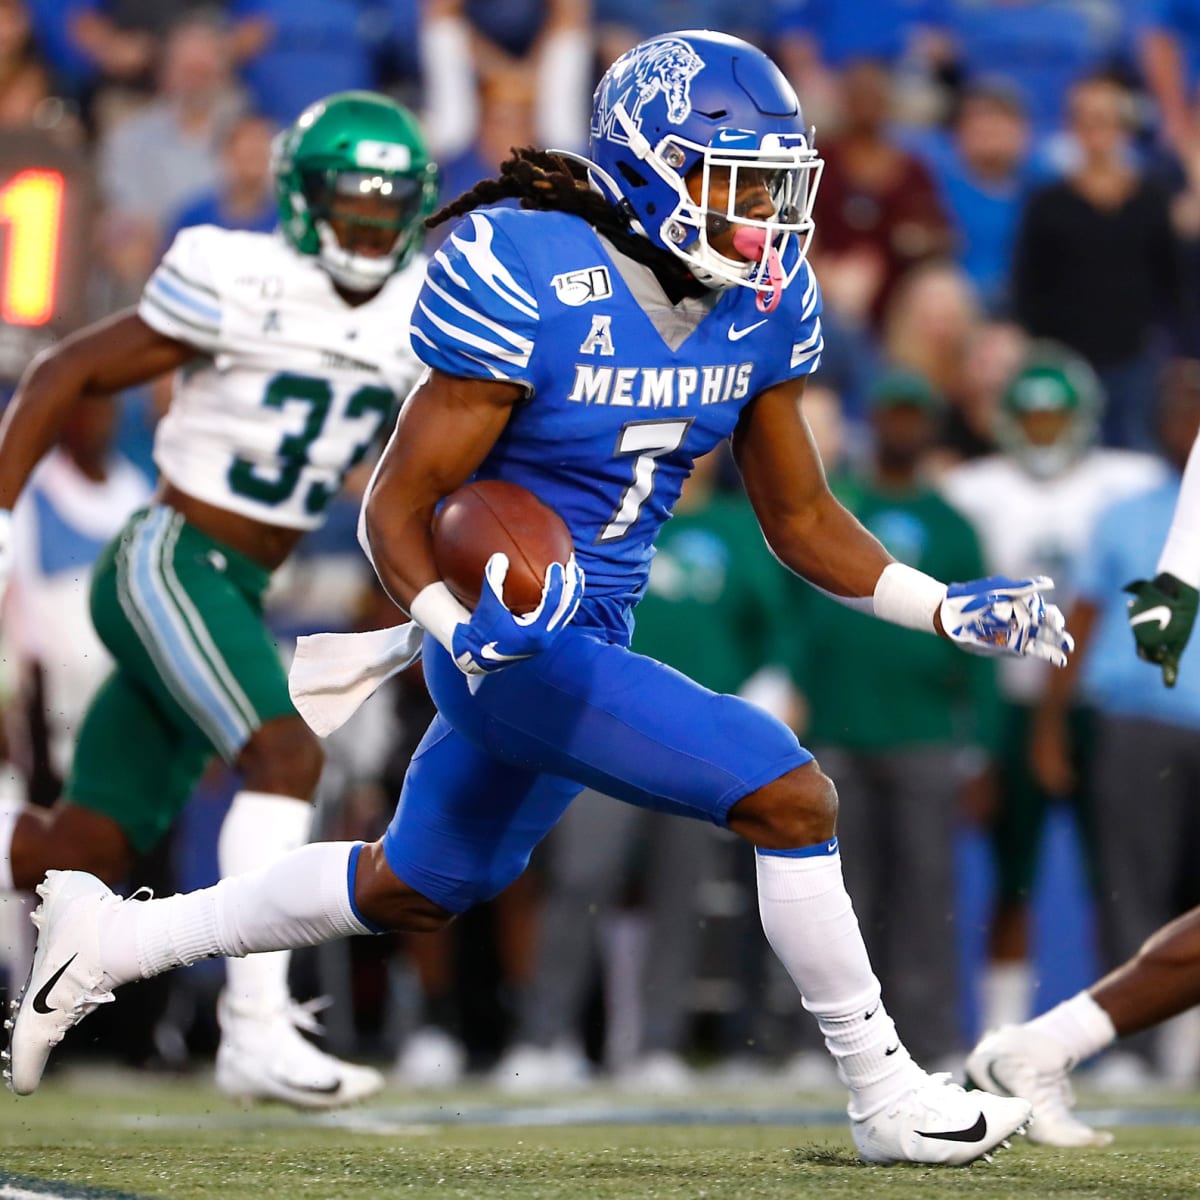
x=753 y=243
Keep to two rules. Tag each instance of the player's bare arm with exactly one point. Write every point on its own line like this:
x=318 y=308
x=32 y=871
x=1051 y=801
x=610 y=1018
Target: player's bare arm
x=104 y=358
x=814 y=535
x=805 y=526
x=444 y=432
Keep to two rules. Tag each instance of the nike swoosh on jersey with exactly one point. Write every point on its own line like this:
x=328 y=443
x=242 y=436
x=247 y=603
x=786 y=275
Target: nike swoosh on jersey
x=975 y=1133
x=39 y=1001
x=493 y=655
x=1160 y=613
x=736 y=334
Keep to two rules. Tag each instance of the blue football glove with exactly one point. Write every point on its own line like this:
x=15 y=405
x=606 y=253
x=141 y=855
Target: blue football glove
x=998 y=615
x=495 y=637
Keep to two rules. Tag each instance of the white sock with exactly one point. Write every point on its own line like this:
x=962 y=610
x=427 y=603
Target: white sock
x=1079 y=1025
x=304 y=899
x=1005 y=994
x=8 y=824
x=259 y=829
x=810 y=923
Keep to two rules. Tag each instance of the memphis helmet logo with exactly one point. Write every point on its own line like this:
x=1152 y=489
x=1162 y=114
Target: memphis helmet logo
x=667 y=66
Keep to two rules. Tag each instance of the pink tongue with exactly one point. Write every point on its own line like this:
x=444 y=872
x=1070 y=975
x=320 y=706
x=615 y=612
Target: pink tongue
x=749 y=243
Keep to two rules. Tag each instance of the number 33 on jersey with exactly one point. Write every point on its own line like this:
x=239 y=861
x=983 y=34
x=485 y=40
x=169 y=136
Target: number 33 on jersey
x=290 y=385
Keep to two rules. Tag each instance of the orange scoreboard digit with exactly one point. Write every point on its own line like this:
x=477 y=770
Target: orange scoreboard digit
x=45 y=227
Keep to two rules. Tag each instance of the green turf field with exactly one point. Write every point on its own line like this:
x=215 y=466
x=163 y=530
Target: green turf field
x=138 y=1136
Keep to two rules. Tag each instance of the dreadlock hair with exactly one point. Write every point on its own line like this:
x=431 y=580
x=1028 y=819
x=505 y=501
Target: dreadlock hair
x=551 y=182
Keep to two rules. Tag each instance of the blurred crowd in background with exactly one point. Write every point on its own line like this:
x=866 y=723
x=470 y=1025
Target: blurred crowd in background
x=1008 y=242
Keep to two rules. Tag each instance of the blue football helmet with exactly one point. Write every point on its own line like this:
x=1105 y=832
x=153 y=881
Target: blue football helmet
x=699 y=98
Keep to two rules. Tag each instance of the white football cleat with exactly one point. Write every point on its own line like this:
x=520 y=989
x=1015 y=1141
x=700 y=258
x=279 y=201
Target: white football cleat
x=1017 y=1061
x=937 y=1122
x=265 y=1057
x=66 y=981
x=525 y=1069
x=430 y=1059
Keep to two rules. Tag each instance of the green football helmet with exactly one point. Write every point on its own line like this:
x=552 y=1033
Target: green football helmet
x=353 y=169
x=1050 y=380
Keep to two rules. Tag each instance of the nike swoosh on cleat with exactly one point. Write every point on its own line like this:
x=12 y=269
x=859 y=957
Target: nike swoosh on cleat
x=736 y=335
x=976 y=1133
x=317 y=1089
x=1001 y=1088
x=1160 y=613
x=39 y=1001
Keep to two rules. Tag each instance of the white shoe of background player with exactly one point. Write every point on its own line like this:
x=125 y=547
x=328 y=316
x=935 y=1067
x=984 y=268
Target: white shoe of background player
x=1015 y=1061
x=264 y=1056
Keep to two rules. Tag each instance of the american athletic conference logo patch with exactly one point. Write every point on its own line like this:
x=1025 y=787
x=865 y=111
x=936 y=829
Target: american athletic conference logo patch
x=582 y=287
x=667 y=65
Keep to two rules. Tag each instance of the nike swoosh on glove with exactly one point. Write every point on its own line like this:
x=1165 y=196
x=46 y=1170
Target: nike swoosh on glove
x=495 y=637
x=998 y=615
x=1161 y=615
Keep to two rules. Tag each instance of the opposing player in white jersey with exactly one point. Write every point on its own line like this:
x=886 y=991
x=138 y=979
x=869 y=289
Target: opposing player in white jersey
x=291 y=351
x=1034 y=506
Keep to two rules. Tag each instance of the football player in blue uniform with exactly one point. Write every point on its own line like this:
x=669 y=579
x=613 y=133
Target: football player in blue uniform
x=640 y=307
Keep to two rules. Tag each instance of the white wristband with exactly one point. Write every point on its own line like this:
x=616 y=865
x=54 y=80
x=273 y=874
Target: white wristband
x=907 y=597
x=437 y=611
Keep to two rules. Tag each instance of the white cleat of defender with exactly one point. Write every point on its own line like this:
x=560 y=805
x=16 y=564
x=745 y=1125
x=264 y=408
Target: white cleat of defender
x=66 y=981
x=265 y=1057
x=939 y=1123
x=1015 y=1061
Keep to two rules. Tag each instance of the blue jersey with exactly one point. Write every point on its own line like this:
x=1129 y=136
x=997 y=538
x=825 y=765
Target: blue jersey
x=615 y=417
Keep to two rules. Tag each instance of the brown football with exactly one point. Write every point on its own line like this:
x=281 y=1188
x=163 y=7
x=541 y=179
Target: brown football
x=490 y=515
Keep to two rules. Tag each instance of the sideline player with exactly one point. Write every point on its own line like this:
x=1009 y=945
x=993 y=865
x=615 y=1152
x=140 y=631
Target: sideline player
x=590 y=349
x=1034 y=1060
x=291 y=352
x=1048 y=426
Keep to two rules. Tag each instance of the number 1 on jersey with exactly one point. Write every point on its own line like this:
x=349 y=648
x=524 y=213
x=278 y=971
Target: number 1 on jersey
x=649 y=441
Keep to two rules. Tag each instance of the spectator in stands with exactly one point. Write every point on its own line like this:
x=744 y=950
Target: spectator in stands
x=1169 y=55
x=1043 y=46
x=244 y=197
x=506 y=119
x=818 y=39
x=878 y=209
x=984 y=174
x=293 y=52
x=717 y=606
x=901 y=767
x=1146 y=742
x=993 y=353
x=1098 y=265
x=1047 y=427
x=466 y=42
x=85 y=47
x=24 y=82
x=154 y=160
x=930 y=321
